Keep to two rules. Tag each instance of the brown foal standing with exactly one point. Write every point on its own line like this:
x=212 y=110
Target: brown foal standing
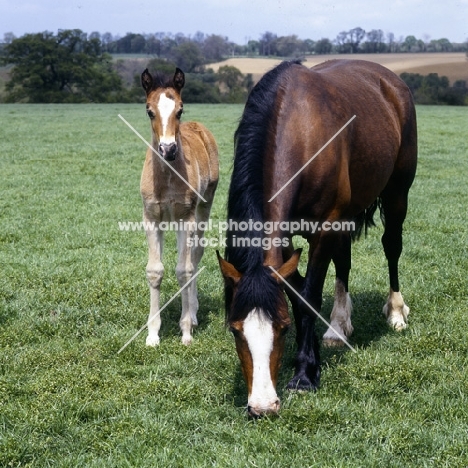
x=178 y=183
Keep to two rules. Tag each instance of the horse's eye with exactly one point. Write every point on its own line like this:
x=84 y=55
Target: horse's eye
x=150 y=114
x=179 y=113
x=234 y=331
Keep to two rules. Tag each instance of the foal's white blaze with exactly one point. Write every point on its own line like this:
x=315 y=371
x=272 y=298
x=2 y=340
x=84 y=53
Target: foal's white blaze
x=166 y=107
x=258 y=331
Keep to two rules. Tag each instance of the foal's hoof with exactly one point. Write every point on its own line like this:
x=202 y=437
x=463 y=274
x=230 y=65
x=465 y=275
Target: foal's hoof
x=187 y=340
x=152 y=340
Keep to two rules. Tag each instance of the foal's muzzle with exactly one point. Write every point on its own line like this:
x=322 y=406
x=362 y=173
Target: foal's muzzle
x=168 y=151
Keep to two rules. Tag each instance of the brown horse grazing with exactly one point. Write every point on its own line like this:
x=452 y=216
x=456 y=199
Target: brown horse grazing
x=178 y=184
x=284 y=173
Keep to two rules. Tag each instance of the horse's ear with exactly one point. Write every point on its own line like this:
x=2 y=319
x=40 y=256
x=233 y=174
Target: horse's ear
x=147 y=81
x=230 y=274
x=179 y=79
x=287 y=268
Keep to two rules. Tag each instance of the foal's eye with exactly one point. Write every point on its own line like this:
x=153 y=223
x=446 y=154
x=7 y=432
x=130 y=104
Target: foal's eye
x=150 y=114
x=179 y=113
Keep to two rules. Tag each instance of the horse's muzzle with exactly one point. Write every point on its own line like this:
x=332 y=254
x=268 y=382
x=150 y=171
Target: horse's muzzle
x=168 y=151
x=271 y=409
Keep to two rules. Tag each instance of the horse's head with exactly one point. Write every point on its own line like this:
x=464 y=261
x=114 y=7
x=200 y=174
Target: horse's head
x=257 y=315
x=164 y=108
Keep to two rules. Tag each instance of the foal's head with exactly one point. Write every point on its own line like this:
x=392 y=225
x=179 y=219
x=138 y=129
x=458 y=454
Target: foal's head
x=164 y=108
x=257 y=315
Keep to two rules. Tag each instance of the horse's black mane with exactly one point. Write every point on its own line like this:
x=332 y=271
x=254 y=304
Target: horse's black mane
x=161 y=80
x=245 y=200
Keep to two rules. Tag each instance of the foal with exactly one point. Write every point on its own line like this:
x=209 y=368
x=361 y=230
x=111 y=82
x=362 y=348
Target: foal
x=181 y=150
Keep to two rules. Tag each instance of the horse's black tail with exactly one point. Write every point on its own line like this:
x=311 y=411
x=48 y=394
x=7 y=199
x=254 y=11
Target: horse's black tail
x=365 y=219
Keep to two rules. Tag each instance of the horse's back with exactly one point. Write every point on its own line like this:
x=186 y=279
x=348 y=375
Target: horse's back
x=377 y=142
x=384 y=109
x=368 y=87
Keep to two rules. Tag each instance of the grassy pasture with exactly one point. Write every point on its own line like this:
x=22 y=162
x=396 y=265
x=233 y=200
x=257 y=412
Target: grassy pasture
x=73 y=291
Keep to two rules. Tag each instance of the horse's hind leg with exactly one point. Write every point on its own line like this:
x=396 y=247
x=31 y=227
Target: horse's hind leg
x=154 y=274
x=340 y=319
x=394 y=205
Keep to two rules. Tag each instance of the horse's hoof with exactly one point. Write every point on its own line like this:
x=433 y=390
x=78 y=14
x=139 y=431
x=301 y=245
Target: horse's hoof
x=301 y=385
x=396 y=311
x=333 y=342
x=152 y=340
x=187 y=340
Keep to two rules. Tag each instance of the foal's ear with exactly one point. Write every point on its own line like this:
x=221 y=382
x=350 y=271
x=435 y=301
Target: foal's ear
x=147 y=81
x=230 y=274
x=179 y=79
x=288 y=267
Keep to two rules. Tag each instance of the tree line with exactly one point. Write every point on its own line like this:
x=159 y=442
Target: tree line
x=203 y=48
x=72 y=66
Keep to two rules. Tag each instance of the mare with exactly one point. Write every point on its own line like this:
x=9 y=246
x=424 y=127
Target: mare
x=178 y=183
x=283 y=171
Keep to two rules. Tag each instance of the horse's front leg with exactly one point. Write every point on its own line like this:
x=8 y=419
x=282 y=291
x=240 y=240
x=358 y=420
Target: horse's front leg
x=185 y=270
x=154 y=274
x=307 y=368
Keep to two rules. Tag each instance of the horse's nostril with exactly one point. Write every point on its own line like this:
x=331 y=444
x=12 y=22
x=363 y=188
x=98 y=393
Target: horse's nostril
x=168 y=151
x=252 y=412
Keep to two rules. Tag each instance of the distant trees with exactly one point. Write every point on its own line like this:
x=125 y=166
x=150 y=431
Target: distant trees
x=375 y=42
x=349 y=41
x=67 y=67
x=435 y=89
x=72 y=66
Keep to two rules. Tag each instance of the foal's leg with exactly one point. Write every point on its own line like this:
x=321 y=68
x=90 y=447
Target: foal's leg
x=394 y=208
x=154 y=274
x=340 y=318
x=185 y=270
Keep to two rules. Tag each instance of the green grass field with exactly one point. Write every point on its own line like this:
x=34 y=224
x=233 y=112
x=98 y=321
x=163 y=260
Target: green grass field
x=73 y=291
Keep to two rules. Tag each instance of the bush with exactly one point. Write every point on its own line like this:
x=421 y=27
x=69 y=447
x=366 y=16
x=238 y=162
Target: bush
x=432 y=89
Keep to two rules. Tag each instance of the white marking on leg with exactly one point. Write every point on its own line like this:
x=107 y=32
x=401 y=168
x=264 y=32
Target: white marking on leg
x=396 y=311
x=166 y=107
x=340 y=318
x=258 y=331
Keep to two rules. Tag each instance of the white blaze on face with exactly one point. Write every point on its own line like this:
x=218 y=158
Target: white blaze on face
x=166 y=107
x=258 y=331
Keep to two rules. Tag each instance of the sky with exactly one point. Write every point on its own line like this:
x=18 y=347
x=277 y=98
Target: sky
x=240 y=20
